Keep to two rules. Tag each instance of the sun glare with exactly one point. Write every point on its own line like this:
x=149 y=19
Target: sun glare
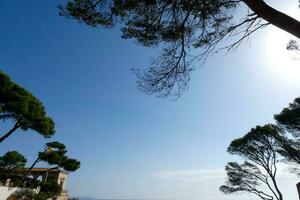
x=285 y=64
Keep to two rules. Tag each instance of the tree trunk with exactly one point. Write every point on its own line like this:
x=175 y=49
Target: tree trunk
x=274 y=16
x=276 y=188
x=9 y=132
x=31 y=167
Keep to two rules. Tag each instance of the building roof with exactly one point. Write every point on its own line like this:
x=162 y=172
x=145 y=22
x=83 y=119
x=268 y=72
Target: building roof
x=41 y=170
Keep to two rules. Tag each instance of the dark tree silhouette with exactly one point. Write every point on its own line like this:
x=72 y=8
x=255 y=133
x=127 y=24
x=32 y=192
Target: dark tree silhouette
x=289 y=119
x=177 y=27
x=12 y=160
x=55 y=155
x=25 y=110
x=245 y=177
x=260 y=149
x=293 y=45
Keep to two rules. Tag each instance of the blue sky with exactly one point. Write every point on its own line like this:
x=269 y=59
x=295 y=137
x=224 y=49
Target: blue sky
x=129 y=142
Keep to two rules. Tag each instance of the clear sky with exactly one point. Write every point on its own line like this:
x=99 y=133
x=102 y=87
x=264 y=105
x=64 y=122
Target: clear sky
x=132 y=145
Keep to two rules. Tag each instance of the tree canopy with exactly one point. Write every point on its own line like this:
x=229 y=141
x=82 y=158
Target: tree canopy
x=12 y=160
x=289 y=117
x=48 y=190
x=55 y=155
x=245 y=177
x=28 y=113
x=177 y=27
x=260 y=150
x=19 y=105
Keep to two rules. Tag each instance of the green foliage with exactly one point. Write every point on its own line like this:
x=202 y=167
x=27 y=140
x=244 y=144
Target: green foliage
x=48 y=190
x=12 y=160
x=19 y=105
x=41 y=196
x=51 y=188
x=70 y=164
x=22 y=194
x=18 y=181
x=55 y=154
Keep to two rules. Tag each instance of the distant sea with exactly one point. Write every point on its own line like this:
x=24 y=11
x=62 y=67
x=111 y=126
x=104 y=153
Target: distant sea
x=233 y=198
x=86 y=198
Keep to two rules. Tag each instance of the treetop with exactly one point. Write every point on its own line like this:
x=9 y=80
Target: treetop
x=19 y=105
